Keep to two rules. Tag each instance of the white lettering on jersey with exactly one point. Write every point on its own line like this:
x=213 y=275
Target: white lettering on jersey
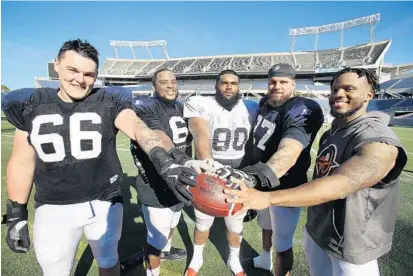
x=270 y=126
x=179 y=129
x=229 y=130
x=76 y=136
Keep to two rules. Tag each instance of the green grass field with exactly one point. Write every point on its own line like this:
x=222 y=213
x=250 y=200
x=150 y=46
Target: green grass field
x=397 y=262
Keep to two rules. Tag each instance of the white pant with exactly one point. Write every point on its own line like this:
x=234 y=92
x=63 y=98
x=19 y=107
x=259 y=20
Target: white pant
x=58 y=229
x=233 y=223
x=323 y=264
x=159 y=222
x=283 y=223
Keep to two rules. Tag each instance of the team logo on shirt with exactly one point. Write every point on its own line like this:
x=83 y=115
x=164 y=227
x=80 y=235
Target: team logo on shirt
x=326 y=161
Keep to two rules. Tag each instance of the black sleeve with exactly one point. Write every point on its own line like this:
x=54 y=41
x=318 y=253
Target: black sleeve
x=302 y=121
x=147 y=110
x=376 y=131
x=122 y=97
x=13 y=105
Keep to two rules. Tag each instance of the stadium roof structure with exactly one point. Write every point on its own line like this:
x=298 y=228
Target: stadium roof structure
x=370 y=54
x=397 y=71
x=370 y=20
x=139 y=44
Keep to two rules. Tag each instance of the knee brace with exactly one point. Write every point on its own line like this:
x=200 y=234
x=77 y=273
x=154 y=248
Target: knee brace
x=203 y=221
x=235 y=224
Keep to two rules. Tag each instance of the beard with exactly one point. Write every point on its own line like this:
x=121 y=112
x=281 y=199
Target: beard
x=228 y=104
x=339 y=115
x=158 y=96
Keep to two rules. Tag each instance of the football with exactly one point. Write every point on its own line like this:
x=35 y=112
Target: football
x=209 y=196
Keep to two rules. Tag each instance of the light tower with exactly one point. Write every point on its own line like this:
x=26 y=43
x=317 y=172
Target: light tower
x=370 y=20
x=143 y=44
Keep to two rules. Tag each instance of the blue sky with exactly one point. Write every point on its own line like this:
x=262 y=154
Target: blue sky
x=32 y=32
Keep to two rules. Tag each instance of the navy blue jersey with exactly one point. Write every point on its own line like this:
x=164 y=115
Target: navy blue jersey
x=76 y=157
x=299 y=119
x=167 y=117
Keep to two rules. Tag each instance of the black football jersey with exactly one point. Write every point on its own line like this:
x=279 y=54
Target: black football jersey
x=75 y=143
x=168 y=117
x=298 y=118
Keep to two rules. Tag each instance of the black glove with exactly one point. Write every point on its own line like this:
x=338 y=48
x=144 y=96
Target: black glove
x=180 y=157
x=263 y=175
x=17 y=236
x=175 y=175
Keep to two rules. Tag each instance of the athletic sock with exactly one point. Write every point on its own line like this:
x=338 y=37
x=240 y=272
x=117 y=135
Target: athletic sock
x=264 y=260
x=167 y=246
x=197 y=258
x=233 y=261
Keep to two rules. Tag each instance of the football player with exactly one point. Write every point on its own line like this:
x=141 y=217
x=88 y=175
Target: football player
x=220 y=126
x=281 y=142
x=161 y=208
x=352 y=199
x=65 y=142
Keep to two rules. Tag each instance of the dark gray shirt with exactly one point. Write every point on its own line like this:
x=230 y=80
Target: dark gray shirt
x=360 y=227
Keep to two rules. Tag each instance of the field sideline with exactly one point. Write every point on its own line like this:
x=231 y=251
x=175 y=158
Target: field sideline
x=397 y=262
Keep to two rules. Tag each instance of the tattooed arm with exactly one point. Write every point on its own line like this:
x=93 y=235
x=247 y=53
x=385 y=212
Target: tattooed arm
x=362 y=171
x=373 y=162
x=137 y=130
x=287 y=154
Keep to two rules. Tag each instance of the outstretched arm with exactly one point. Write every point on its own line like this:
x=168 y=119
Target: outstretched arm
x=362 y=171
x=373 y=162
x=285 y=157
x=200 y=131
x=137 y=130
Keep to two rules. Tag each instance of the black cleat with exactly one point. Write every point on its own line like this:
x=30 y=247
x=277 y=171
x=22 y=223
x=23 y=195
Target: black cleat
x=173 y=254
x=248 y=263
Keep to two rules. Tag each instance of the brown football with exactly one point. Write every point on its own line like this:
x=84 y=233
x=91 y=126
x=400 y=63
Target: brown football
x=209 y=196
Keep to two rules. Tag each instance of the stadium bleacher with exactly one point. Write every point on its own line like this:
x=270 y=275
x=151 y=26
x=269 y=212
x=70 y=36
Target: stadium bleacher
x=328 y=58
x=305 y=61
x=356 y=55
x=199 y=65
x=364 y=54
x=404 y=83
x=382 y=105
x=50 y=84
x=240 y=63
x=406 y=103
